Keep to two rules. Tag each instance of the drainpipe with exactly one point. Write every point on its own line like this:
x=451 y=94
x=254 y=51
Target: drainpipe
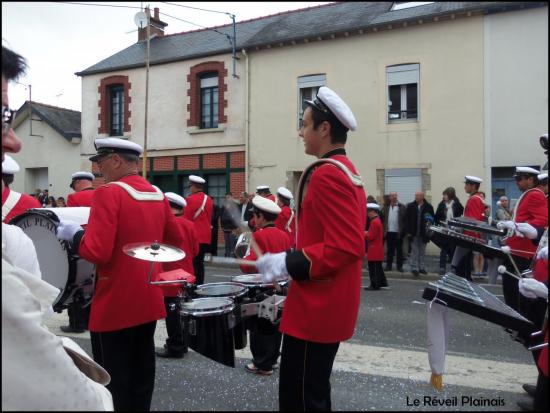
x=246 y=120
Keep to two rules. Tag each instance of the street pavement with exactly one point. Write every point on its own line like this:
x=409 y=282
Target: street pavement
x=384 y=366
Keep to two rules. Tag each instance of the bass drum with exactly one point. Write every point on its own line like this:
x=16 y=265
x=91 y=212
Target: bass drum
x=58 y=266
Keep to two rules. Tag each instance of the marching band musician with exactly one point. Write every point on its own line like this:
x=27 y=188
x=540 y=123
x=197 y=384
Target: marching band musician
x=375 y=248
x=474 y=208
x=125 y=307
x=199 y=211
x=265 y=338
x=285 y=220
x=13 y=203
x=81 y=183
x=530 y=218
x=175 y=345
x=543 y=183
x=323 y=299
x=263 y=190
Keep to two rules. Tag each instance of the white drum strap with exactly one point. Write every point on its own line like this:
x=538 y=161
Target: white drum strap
x=139 y=195
x=198 y=212
x=519 y=201
x=12 y=200
x=287 y=226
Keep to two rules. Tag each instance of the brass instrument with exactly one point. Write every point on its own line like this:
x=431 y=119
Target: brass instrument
x=242 y=248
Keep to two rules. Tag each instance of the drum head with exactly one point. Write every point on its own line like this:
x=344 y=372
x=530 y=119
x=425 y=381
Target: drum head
x=224 y=289
x=254 y=280
x=207 y=306
x=52 y=253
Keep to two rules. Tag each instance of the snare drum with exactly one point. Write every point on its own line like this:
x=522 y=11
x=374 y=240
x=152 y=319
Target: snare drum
x=234 y=291
x=207 y=325
x=256 y=285
x=58 y=266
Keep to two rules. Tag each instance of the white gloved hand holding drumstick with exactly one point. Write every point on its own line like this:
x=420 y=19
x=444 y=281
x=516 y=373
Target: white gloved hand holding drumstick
x=272 y=267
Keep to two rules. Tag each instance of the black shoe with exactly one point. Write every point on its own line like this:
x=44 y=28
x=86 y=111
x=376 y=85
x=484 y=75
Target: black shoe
x=530 y=389
x=370 y=288
x=69 y=329
x=527 y=405
x=415 y=273
x=169 y=354
x=423 y=272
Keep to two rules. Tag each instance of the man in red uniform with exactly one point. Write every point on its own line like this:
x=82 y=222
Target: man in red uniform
x=532 y=209
x=263 y=190
x=81 y=183
x=475 y=208
x=375 y=249
x=323 y=299
x=543 y=183
x=265 y=338
x=199 y=211
x=175 y=345
x=13 y=203
x=125 y=307
x=285 y=220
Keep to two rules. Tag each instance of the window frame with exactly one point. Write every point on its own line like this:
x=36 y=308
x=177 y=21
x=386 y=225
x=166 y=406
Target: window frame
x=213 y=91
x=412 y=72
x=117 y=89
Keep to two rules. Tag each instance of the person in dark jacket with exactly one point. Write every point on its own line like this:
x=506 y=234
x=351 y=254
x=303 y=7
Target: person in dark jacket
x=449 y=207
x=216 y=210
x=417 y=216
x=394 y=224
x=228 y=225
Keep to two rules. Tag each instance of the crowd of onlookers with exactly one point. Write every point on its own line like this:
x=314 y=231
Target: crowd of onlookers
x=48 y=201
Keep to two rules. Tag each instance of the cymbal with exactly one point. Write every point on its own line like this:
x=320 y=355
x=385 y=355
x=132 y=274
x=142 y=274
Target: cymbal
x=155 y=251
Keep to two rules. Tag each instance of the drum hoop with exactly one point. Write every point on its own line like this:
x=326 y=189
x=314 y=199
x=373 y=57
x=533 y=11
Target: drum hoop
x=238 y=294
x=71 y=261
x=223 y=309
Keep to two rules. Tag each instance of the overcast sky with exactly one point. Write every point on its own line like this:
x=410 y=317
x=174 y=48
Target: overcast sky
x=59 y=39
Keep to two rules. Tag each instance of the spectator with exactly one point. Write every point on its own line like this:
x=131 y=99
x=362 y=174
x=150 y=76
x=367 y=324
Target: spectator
x=418 y=214
x=394 y=225
x=228 y=225
x=51 y=202
x=503 y=212
x=449 y=207
x=246 y=207
x=43 y=198
x=216 y=210
x=61 y=202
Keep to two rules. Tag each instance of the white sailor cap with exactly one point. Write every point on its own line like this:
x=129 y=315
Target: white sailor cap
x=9 y=166
x=266 y=205
x=82 y=175
x=328 y=102
x=468 y=179
x=176 y=199
x=525 y=170
x=285 y=193
x=542 y=177
x=196 y=179
x=372 y=205
x=106 y=146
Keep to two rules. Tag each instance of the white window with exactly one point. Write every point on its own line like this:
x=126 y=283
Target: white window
x=403 y=83
x=400 y=5
x=404 y=181
x=308 y=86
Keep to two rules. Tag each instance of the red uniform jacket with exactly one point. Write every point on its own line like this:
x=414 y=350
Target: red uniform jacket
x=81 y=198
x=331 y=227
x=269 y=239
x=203 y=224
x=123 y=298
x=272 y=197
x=375 y=238
x=25 y=202
x=475 y=208
x=532 y=208
x=190 y=246
x=287 y=224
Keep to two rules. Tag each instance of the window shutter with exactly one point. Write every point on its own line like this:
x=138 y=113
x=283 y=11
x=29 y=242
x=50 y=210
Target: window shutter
x=209 y=81
x=403 y=74
x=403 y=181
x=311 y=81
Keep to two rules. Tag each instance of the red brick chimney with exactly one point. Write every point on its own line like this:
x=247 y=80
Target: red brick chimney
x=157 y=26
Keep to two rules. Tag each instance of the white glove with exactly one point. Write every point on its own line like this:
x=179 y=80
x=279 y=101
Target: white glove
x=66 y=230
x=531 y=288
x=272 y=266
x=509 y=225
x=543 y=253
x=526 y=230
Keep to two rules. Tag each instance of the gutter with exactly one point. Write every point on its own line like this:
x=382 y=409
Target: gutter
x=246 y=119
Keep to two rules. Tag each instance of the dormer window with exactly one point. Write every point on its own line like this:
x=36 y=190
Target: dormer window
x=400 y=5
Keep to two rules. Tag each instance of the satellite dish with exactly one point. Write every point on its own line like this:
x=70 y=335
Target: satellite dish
x=140 y=19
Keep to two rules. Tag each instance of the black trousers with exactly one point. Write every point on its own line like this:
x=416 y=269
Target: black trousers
x=464 y=268
x=304 y=380
x=394 y=243
x=541 y=393
x=128 y=355
x=510 y=288
x=175 y=341
x=78 y=314
x=265 y=343
x=198 y=263
x=376 y=274
x=230 y=240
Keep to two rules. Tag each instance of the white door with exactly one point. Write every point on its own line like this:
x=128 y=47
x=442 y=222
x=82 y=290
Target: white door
x=37 y=178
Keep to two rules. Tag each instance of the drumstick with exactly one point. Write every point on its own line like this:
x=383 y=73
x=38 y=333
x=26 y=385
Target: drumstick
x=226 y=260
